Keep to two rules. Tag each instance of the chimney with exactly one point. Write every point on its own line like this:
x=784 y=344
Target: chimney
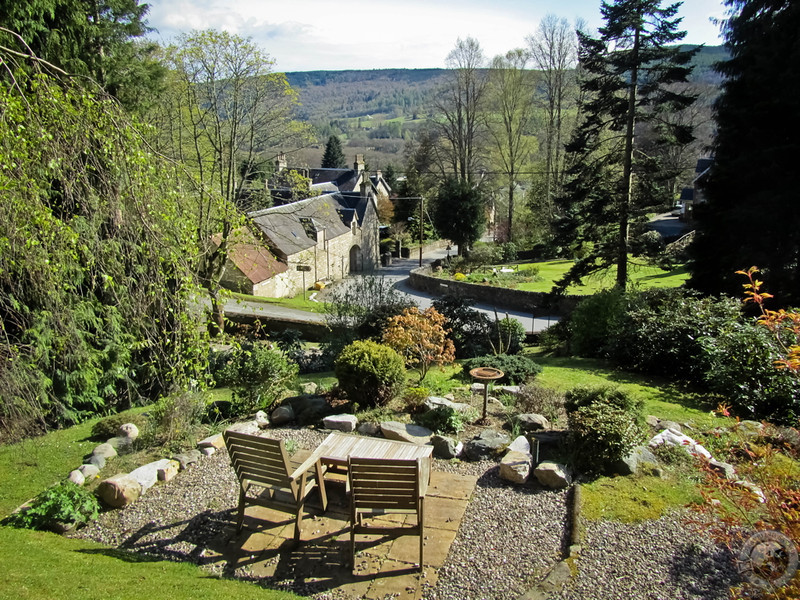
x=280 y=162
x=359 y=164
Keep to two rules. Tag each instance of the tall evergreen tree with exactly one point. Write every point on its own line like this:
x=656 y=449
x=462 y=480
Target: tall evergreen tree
x=752 y=213
x=90 y=38
x=628 y=77
x=333 y=157
x=459 y=213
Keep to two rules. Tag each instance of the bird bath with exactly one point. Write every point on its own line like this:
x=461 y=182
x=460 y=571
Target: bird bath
x=486 y=374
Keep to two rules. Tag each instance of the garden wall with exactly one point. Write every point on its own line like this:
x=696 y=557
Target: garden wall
x=536 y=303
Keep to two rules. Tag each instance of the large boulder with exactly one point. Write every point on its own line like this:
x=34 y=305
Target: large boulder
x=343 y=422
x=676 y=438
x=532 y=422
x=97 y=460
x=147 y=475
x=486 y=446
x=405 y=432
x=433 y=402
x=552 y=475
x=119 y=490
x=631 y=463
x=369 y=428
x=120 y=443
x=308 y=409
x=282 y=415
x=309 y=388
x=515 y=466
x=446 y=447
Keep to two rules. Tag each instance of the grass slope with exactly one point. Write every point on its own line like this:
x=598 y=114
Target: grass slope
x=44 y=566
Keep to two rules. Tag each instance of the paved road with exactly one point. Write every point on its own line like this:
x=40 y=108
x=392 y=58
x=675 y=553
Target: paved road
x=398 y=274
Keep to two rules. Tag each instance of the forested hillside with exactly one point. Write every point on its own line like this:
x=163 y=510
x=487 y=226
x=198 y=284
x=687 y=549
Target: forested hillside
x=334 y=95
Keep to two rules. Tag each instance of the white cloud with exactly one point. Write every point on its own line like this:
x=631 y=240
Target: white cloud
x=371 y=34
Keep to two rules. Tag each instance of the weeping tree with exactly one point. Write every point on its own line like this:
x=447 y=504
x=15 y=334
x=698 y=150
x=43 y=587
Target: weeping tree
x=629 y=83
x=96 y=264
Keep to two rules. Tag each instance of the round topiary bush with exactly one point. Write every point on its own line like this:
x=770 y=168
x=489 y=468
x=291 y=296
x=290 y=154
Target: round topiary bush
x=371 y=374
x=605 y=425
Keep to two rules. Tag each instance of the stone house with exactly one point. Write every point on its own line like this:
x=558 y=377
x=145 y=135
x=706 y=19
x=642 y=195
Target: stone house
x=250 y=266
x=323 y=238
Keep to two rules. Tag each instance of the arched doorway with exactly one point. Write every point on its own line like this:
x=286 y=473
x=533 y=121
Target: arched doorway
x=356 y=260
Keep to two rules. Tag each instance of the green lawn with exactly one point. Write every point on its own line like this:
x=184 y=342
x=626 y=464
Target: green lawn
x=44 y=566
x=41 y=565
x=642 y=276
x=297 y=302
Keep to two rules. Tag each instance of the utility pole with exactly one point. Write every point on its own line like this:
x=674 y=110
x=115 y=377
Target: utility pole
x=421 y=226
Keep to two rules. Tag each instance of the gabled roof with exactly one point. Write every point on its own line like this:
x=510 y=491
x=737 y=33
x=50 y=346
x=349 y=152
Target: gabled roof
x=291 y=228
x=250 y=256
x=342 y=180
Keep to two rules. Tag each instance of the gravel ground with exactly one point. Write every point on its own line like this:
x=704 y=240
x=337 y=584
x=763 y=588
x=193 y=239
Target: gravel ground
x=509 y=538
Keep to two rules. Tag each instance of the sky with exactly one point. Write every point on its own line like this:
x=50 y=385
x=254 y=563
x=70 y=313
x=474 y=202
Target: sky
x=309 y=35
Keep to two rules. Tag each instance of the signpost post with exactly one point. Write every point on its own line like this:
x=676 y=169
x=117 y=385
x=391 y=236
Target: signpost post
x=304 y=269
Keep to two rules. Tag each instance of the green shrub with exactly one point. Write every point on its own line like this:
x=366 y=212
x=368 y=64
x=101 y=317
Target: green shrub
x=108 y=427
x=581 y=396
x=443 y=419
x=469 y=328
x=516 y=368
x=593 y=322
x=542 y=401
x=262 y=376
x=508 y=252
x=371 y=374
x=414 y=397
x=377 y=320
x=174 y=420
x=673 y=455
x=64 y=503
x=508 y=336
x=741 y=368
x=605 y=425
x=661 y=330
x=481 y=256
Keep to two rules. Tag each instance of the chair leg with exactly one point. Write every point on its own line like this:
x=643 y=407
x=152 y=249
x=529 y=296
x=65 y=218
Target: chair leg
x=353 y=518
x=421 y=523
x=301 y=502
x=321 y=483
x=240 y=518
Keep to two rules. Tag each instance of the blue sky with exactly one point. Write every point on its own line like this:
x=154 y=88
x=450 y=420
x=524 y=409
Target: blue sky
x=306 y=35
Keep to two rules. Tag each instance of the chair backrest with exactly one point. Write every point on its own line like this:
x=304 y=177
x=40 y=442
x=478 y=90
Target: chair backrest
x=384 y=484
x=260 y=460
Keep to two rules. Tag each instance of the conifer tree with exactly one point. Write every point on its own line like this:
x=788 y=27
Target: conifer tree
x=628 y=77
x=333 y=157
x=752 y=213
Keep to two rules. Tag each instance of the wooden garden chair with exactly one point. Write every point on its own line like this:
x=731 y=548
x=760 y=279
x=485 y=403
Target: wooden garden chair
x=384 y=487
x=267 y=476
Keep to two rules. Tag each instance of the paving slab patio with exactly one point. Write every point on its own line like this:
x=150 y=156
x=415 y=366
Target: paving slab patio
x=265 y=551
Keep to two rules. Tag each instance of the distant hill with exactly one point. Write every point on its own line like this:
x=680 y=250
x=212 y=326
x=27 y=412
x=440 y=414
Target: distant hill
x=327 y=96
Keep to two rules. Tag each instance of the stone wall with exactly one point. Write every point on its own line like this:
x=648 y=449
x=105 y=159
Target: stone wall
x=537 y=303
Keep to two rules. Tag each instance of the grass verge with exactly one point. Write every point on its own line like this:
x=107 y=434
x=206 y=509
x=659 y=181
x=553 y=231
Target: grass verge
x=44 y=566
x=298 y=302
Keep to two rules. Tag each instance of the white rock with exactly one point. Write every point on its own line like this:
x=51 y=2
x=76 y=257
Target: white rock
x=516 y=466
x=675 y=438
x=521 y=444
x=89 y=471
x=207 y=451
x=129 y=430
x=146 y=475
x=552 y=475
x=403 y=432
x=168 y=469
x=76 y=477
x=262 y=419
x=343 y=422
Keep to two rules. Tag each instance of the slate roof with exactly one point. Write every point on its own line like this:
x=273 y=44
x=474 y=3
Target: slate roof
x=250 y=256
x=342 y=180
x=290 y=227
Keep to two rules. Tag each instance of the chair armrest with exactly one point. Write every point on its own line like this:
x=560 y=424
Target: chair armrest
x=305 y=466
